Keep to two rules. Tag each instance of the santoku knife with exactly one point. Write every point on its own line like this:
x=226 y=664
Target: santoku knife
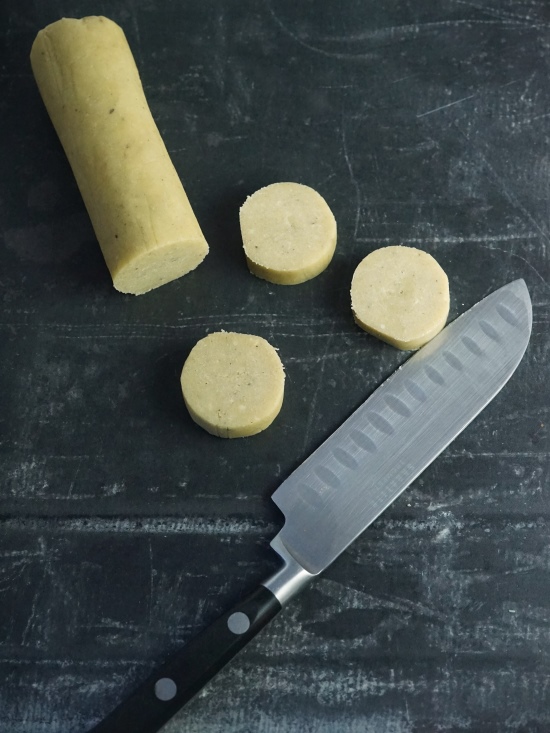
x=348 y=481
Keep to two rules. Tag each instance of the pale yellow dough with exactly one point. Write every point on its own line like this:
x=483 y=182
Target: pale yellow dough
x=288 y=232
x=141 y=215
x=401 y=295
x=233 y=384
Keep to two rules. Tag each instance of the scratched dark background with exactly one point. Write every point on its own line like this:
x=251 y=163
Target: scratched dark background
x=124 y=528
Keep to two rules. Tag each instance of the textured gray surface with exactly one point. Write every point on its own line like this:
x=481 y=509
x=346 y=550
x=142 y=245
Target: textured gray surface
x=124 y=528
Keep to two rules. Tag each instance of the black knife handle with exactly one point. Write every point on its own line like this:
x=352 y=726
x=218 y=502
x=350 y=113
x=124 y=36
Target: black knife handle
x=184 y=674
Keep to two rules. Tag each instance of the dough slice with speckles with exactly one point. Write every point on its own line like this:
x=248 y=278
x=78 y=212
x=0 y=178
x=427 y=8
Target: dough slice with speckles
x=401 y=295
x=288 y=232
x=233 y=384
x=142 y=218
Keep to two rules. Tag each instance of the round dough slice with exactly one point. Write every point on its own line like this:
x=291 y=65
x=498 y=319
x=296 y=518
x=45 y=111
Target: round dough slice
x=233 y=384
x=289 y=233
x=401 y=295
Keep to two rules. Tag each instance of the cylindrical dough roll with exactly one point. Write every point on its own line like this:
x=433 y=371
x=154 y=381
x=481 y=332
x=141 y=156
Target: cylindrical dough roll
x=141 y=215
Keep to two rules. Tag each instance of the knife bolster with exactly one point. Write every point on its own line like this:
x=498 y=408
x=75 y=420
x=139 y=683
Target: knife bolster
x=290 y=579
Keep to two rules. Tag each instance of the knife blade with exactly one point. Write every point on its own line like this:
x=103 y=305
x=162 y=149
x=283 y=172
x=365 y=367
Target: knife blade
x=348 y=482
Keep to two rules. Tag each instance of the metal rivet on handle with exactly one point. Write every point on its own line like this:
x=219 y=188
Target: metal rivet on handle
x=165 y=689
x=238 y=623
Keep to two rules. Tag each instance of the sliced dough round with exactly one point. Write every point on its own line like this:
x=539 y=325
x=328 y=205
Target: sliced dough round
x=289 y=233
x=401 y=295
x=233 y=384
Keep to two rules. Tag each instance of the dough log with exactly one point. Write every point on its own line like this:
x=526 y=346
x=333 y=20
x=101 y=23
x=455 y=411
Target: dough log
x=141 y=215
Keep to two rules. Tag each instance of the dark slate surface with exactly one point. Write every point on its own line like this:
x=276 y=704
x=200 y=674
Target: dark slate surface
x=124 y=528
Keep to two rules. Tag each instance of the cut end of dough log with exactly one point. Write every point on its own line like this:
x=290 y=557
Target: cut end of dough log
x=401 y=296
x=154 y=268
x=288 y=232
x=141 y=215
x=233 y=384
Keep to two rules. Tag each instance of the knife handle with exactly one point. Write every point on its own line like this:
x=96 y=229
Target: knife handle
x=184 y=674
